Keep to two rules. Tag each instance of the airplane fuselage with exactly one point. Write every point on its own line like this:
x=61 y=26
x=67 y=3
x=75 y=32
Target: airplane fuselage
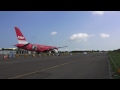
x=36 y=47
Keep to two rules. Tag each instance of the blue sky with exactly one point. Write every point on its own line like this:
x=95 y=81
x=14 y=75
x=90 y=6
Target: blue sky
x=79 y=30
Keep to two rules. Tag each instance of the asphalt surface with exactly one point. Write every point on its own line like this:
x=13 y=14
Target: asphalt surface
x=80 y=66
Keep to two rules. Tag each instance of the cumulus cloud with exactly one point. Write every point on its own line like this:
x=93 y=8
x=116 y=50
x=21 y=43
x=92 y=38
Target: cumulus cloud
x=80 y=37
x=98 y=12
x=103 y=35
x=53 y=33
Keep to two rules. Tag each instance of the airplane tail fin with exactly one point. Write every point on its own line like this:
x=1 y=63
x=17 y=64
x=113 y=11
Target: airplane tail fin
x=20 y=37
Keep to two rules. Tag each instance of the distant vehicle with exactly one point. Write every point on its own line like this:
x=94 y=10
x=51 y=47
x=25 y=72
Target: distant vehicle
x=84 y=52
x=23 y=44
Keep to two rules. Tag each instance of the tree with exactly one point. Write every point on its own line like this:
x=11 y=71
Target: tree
x=2 y=48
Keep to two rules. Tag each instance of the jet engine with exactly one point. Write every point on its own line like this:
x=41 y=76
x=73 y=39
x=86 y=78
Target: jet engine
x=55 y=50
x=49 y=52
x=34 y=47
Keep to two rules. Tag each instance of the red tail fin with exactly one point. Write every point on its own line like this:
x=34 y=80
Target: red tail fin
x=20 y=37
x=19 y=34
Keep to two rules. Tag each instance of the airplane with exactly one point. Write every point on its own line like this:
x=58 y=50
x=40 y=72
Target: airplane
x=38 y=48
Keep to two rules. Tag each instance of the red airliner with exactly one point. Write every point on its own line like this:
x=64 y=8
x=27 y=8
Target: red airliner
x=23 y=44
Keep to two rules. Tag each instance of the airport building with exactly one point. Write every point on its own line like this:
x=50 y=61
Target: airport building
x=14 y=50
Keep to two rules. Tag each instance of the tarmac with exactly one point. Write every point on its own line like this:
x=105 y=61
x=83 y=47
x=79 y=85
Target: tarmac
x=78 y=66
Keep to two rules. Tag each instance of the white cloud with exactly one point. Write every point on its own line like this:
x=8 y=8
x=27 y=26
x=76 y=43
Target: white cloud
x=103 y=35
x=53 y=33
x=80 y=37
x=98 y=12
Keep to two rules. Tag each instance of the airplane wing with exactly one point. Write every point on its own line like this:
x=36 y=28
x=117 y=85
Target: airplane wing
x=58 y=47
x=63 y=47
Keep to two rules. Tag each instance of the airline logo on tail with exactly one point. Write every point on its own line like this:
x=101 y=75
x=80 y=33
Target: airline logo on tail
x=20 y=37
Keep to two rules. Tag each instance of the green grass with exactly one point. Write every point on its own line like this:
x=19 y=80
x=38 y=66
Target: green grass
x=115 y=56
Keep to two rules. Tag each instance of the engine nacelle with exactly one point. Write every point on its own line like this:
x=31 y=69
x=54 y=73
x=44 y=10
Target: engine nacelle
x=34 y=47
x=55 y=50
x=49 y=52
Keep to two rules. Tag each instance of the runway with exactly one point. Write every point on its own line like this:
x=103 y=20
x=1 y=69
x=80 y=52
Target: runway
x=80 y=66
